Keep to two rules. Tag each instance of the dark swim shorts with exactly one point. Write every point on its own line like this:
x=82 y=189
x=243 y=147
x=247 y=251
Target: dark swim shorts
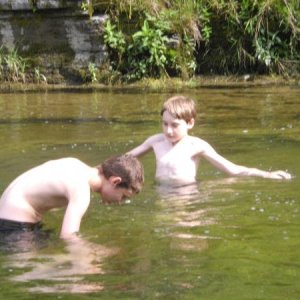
x=8 y=226
x=21 y=236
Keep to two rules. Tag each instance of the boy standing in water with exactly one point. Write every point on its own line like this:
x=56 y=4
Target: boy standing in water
x=67 y=182
x=178 y=154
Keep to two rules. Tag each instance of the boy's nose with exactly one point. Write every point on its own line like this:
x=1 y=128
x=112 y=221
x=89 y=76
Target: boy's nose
x=169 y=130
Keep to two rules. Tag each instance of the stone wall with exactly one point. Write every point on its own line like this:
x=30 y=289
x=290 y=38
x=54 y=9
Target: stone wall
x=55 y=35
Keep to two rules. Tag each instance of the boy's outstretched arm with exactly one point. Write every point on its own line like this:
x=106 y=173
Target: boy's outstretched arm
x=233 y=169
x=138 y=151
x=143 y=148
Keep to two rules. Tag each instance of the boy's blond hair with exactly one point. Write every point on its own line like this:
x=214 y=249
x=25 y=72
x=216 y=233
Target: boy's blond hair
x=180 y=107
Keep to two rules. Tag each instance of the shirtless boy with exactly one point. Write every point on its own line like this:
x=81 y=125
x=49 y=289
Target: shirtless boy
x=178 y=154
x=67 y=182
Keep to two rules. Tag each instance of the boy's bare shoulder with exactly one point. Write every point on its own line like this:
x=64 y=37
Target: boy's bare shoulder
x=198 y=144
x=156 y=138
x=197 y=140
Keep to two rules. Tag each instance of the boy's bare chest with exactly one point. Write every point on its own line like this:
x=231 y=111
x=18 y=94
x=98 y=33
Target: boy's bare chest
x=175 y=154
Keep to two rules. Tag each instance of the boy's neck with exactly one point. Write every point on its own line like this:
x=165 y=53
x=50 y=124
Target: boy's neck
x=95 y=179
x=175 y=143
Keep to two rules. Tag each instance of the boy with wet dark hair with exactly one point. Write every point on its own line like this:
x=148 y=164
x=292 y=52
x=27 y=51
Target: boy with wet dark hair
x=67 y=182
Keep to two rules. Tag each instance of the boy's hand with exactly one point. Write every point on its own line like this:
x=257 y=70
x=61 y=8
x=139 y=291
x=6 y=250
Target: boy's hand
x=280 y=175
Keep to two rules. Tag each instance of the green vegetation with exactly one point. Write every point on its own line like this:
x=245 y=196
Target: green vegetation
x=15 y=68
x=161 y=38
x=12 y=66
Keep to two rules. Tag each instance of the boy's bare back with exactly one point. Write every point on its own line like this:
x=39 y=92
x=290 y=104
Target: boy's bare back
x=67 y=182
x=44 y=187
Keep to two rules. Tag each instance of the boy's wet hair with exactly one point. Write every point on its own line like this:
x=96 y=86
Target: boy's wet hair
x=180 y=107
x=126 y=166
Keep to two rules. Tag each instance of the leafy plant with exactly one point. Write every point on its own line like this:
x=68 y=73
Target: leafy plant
x=180 y=37
x=147 y=55
x=248 y=35
x=38 y=76
x=115 y=40
x=87 y=5
x=93 y=72
x=12 y=65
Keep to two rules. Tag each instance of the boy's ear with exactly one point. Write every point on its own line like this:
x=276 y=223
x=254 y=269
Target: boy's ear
x=191 y=123
x=115 y=180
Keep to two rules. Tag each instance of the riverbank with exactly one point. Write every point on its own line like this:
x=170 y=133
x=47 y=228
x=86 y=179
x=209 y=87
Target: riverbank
x=166 y=84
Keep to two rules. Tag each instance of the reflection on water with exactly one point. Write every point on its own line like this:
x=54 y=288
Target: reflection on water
x=67 y=270
x=180 y=210
x=188 y=191
x=185 y=209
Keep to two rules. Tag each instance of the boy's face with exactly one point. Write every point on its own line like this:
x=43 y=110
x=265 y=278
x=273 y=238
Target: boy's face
x=175 y=129
x=111 y=193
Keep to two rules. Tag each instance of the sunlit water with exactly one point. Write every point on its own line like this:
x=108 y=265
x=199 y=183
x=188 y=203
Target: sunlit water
x=224 y=238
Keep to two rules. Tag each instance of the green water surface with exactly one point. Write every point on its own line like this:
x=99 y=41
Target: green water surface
x=226 y=238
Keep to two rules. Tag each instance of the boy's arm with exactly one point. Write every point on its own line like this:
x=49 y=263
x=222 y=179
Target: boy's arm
x=143 y=148
x=79 y=200
x=233 y=169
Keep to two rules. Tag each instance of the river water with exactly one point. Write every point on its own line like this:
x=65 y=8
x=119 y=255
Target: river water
x=227 y=238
